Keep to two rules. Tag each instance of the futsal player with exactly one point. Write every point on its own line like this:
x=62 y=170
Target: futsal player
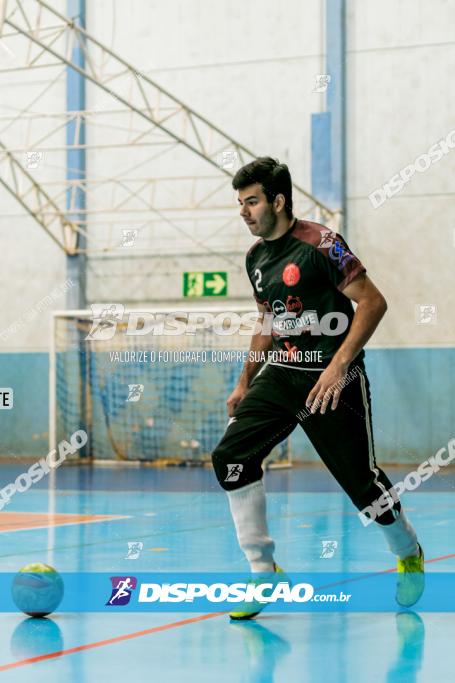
x=305 y=277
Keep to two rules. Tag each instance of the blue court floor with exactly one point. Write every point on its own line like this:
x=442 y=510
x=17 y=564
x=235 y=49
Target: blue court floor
x=183 y=521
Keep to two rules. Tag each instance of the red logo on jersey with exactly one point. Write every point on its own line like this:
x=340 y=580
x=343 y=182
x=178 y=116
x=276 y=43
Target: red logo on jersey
x=291 y=274
x=291 y=350
x=293 y=304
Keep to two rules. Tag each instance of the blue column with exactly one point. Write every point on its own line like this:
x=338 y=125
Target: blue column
x=76 y=160
x=75 y=204
x=328 y=129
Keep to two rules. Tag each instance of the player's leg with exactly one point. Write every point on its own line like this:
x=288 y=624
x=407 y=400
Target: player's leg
x=344 y=440
x=260 y=422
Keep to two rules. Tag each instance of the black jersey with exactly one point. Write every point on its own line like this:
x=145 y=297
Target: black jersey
x=299 y=278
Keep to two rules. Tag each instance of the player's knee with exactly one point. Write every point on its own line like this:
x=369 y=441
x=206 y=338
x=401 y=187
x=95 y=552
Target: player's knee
x=227 y=470
x=233 y=471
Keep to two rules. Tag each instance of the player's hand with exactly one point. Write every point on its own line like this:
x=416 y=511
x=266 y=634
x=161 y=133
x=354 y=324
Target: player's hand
x=234 y=399
x=328 y=387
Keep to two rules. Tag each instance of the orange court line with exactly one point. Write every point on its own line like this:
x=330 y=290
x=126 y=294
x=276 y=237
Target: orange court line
x=383 y=571
x=138 y=634
x=108 y=641
x=21 y=521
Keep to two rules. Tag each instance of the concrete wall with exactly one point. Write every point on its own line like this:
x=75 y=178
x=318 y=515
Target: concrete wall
x=399 y=103
x=31 y=264
x=33 y=269
x=250 y=69
x=247 y=68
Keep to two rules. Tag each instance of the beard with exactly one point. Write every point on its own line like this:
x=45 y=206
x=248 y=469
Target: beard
x=268 y=222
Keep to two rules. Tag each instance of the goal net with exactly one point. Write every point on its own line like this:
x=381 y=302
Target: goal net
x=147 y=385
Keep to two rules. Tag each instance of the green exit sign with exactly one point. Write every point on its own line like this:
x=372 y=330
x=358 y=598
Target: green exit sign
x=205 y=284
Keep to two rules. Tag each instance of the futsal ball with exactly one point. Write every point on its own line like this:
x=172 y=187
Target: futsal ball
x=37 y=589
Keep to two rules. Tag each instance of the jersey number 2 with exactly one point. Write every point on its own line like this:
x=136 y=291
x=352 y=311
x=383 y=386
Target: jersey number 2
x=258 y=276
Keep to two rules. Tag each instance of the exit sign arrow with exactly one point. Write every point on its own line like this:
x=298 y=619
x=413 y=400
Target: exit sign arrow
x=200 y=284
x=217 y=284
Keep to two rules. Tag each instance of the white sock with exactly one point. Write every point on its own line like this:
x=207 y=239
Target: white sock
x=401 y=537
x=248 y=509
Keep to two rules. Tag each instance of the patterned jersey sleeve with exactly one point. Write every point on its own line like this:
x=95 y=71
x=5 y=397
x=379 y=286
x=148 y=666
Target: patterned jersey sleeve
x=334 y=258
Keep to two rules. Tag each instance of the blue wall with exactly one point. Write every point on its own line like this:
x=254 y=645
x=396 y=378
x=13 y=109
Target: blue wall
x=413 y=404
x=412 y=395
x=24 y=429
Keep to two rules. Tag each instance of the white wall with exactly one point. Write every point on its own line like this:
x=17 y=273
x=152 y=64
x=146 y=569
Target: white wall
x=400 y=101
x=249 y=68
x=30 y=262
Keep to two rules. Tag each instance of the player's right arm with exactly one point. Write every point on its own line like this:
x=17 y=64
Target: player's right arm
x=260 y=345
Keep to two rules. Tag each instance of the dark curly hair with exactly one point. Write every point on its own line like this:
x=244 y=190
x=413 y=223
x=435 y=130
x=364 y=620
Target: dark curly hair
x=273 y=176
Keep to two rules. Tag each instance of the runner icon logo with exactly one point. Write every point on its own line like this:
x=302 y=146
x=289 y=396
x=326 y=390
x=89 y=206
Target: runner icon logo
x=234 y=472
x=122 y=587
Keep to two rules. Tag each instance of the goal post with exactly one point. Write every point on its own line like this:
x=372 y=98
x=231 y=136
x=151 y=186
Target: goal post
x=148 y=385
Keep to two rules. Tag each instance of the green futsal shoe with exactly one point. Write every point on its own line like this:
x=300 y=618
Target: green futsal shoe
x=250 y=608
x=410 y=579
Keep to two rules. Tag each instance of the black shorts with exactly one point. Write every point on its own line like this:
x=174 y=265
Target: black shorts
x=343 y=438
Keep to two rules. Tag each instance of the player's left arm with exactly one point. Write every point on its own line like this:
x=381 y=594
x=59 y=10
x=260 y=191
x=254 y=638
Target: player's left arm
x=371 y=307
